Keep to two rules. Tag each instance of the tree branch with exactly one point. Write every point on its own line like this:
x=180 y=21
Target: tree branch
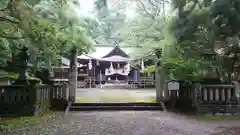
x=166 y=1
x=3 y=9
x=193 y=6
x=147 y=36
x=151 y=2
x=8 y=20
x=157 y=7
x=9 y=37
x=145 y=9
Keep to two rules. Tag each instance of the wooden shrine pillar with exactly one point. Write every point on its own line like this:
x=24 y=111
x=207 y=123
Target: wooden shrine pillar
x=73 y=75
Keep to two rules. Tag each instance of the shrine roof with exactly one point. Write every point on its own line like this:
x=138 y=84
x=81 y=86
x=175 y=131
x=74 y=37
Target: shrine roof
x=116 y=58
x=116 y=51
x=100 y=52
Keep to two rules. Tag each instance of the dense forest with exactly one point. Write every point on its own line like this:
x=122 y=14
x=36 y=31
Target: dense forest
x=188 y=32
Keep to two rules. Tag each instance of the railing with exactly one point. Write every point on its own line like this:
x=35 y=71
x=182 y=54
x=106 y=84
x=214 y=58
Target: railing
x=23 y=100
x=203 y=98
x=81 y=84
x=216 y=99
x=31 y=100
x=60 y=91
x=43 y=92
x=146 y=81
x=82 y=74
x=59 y=81
x=90 y=82
x=42 y=100
x=59 y=96
x=14 y=94
x=215 y=94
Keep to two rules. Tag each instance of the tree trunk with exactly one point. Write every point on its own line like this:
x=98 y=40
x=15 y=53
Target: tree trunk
x=73 y=75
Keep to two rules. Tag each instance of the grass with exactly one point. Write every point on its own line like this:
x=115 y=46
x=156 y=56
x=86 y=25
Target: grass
x=87 y=99
x=127 y=99
x=113 y=99
x=13 y=122
x=216 y=117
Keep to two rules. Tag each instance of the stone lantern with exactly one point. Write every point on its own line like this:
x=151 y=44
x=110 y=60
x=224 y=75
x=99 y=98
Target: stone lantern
x=23 y=57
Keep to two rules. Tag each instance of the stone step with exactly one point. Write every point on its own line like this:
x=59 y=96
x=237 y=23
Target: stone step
x=115 y=106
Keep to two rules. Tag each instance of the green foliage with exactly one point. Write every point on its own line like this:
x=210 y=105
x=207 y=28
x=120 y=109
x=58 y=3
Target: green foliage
x=3 y=127
x=186 y=37
x=110 y=20
x=143 y=32
x=202 y=25
x=45 y=27
x=11 y=76
x=182 y=69
x=52 y=28
x=13 y=122
x=149 y=69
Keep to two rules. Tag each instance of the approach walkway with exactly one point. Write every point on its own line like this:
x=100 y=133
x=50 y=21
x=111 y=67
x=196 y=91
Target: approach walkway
x=116 y=95
x=126 y=123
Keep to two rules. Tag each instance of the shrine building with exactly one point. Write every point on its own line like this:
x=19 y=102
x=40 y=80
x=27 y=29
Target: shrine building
x=106 y=65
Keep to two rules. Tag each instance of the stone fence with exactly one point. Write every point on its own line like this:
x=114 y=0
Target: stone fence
x=59 y=96
x=216 y=99
x=204 y=99
x=19 y=100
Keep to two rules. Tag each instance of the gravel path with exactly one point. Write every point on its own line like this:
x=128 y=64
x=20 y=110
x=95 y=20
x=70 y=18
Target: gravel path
x=126 y=123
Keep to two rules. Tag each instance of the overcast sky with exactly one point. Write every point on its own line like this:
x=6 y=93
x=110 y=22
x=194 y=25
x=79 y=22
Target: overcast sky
x=87 y=6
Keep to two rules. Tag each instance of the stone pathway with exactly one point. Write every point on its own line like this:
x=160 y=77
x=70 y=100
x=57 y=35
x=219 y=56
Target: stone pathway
x=127 y=123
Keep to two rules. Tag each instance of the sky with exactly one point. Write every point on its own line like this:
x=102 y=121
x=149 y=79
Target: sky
x=87 y=6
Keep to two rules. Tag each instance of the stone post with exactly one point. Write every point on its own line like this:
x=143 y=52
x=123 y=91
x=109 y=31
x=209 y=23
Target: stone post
x=164 y=86
x=159 y=93
x=237 y=90
x=73 y=75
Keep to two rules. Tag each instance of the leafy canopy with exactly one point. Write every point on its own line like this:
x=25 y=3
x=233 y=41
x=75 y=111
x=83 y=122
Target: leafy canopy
x=49 y=28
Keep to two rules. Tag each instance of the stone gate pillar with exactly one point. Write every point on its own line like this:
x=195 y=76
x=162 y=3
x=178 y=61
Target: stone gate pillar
x=73 y=75
x=159 y=93
x=164 y=86
x=158 y=77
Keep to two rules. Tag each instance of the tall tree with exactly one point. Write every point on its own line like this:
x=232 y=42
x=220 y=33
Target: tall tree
x=44 y=27
x=200 y=25
x=110 y=19
x=148 y=27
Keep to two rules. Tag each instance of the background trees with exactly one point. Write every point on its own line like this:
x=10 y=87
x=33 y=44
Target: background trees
x=209 y=25
x=48 y=28
x=190 y=35
x=186 y=30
